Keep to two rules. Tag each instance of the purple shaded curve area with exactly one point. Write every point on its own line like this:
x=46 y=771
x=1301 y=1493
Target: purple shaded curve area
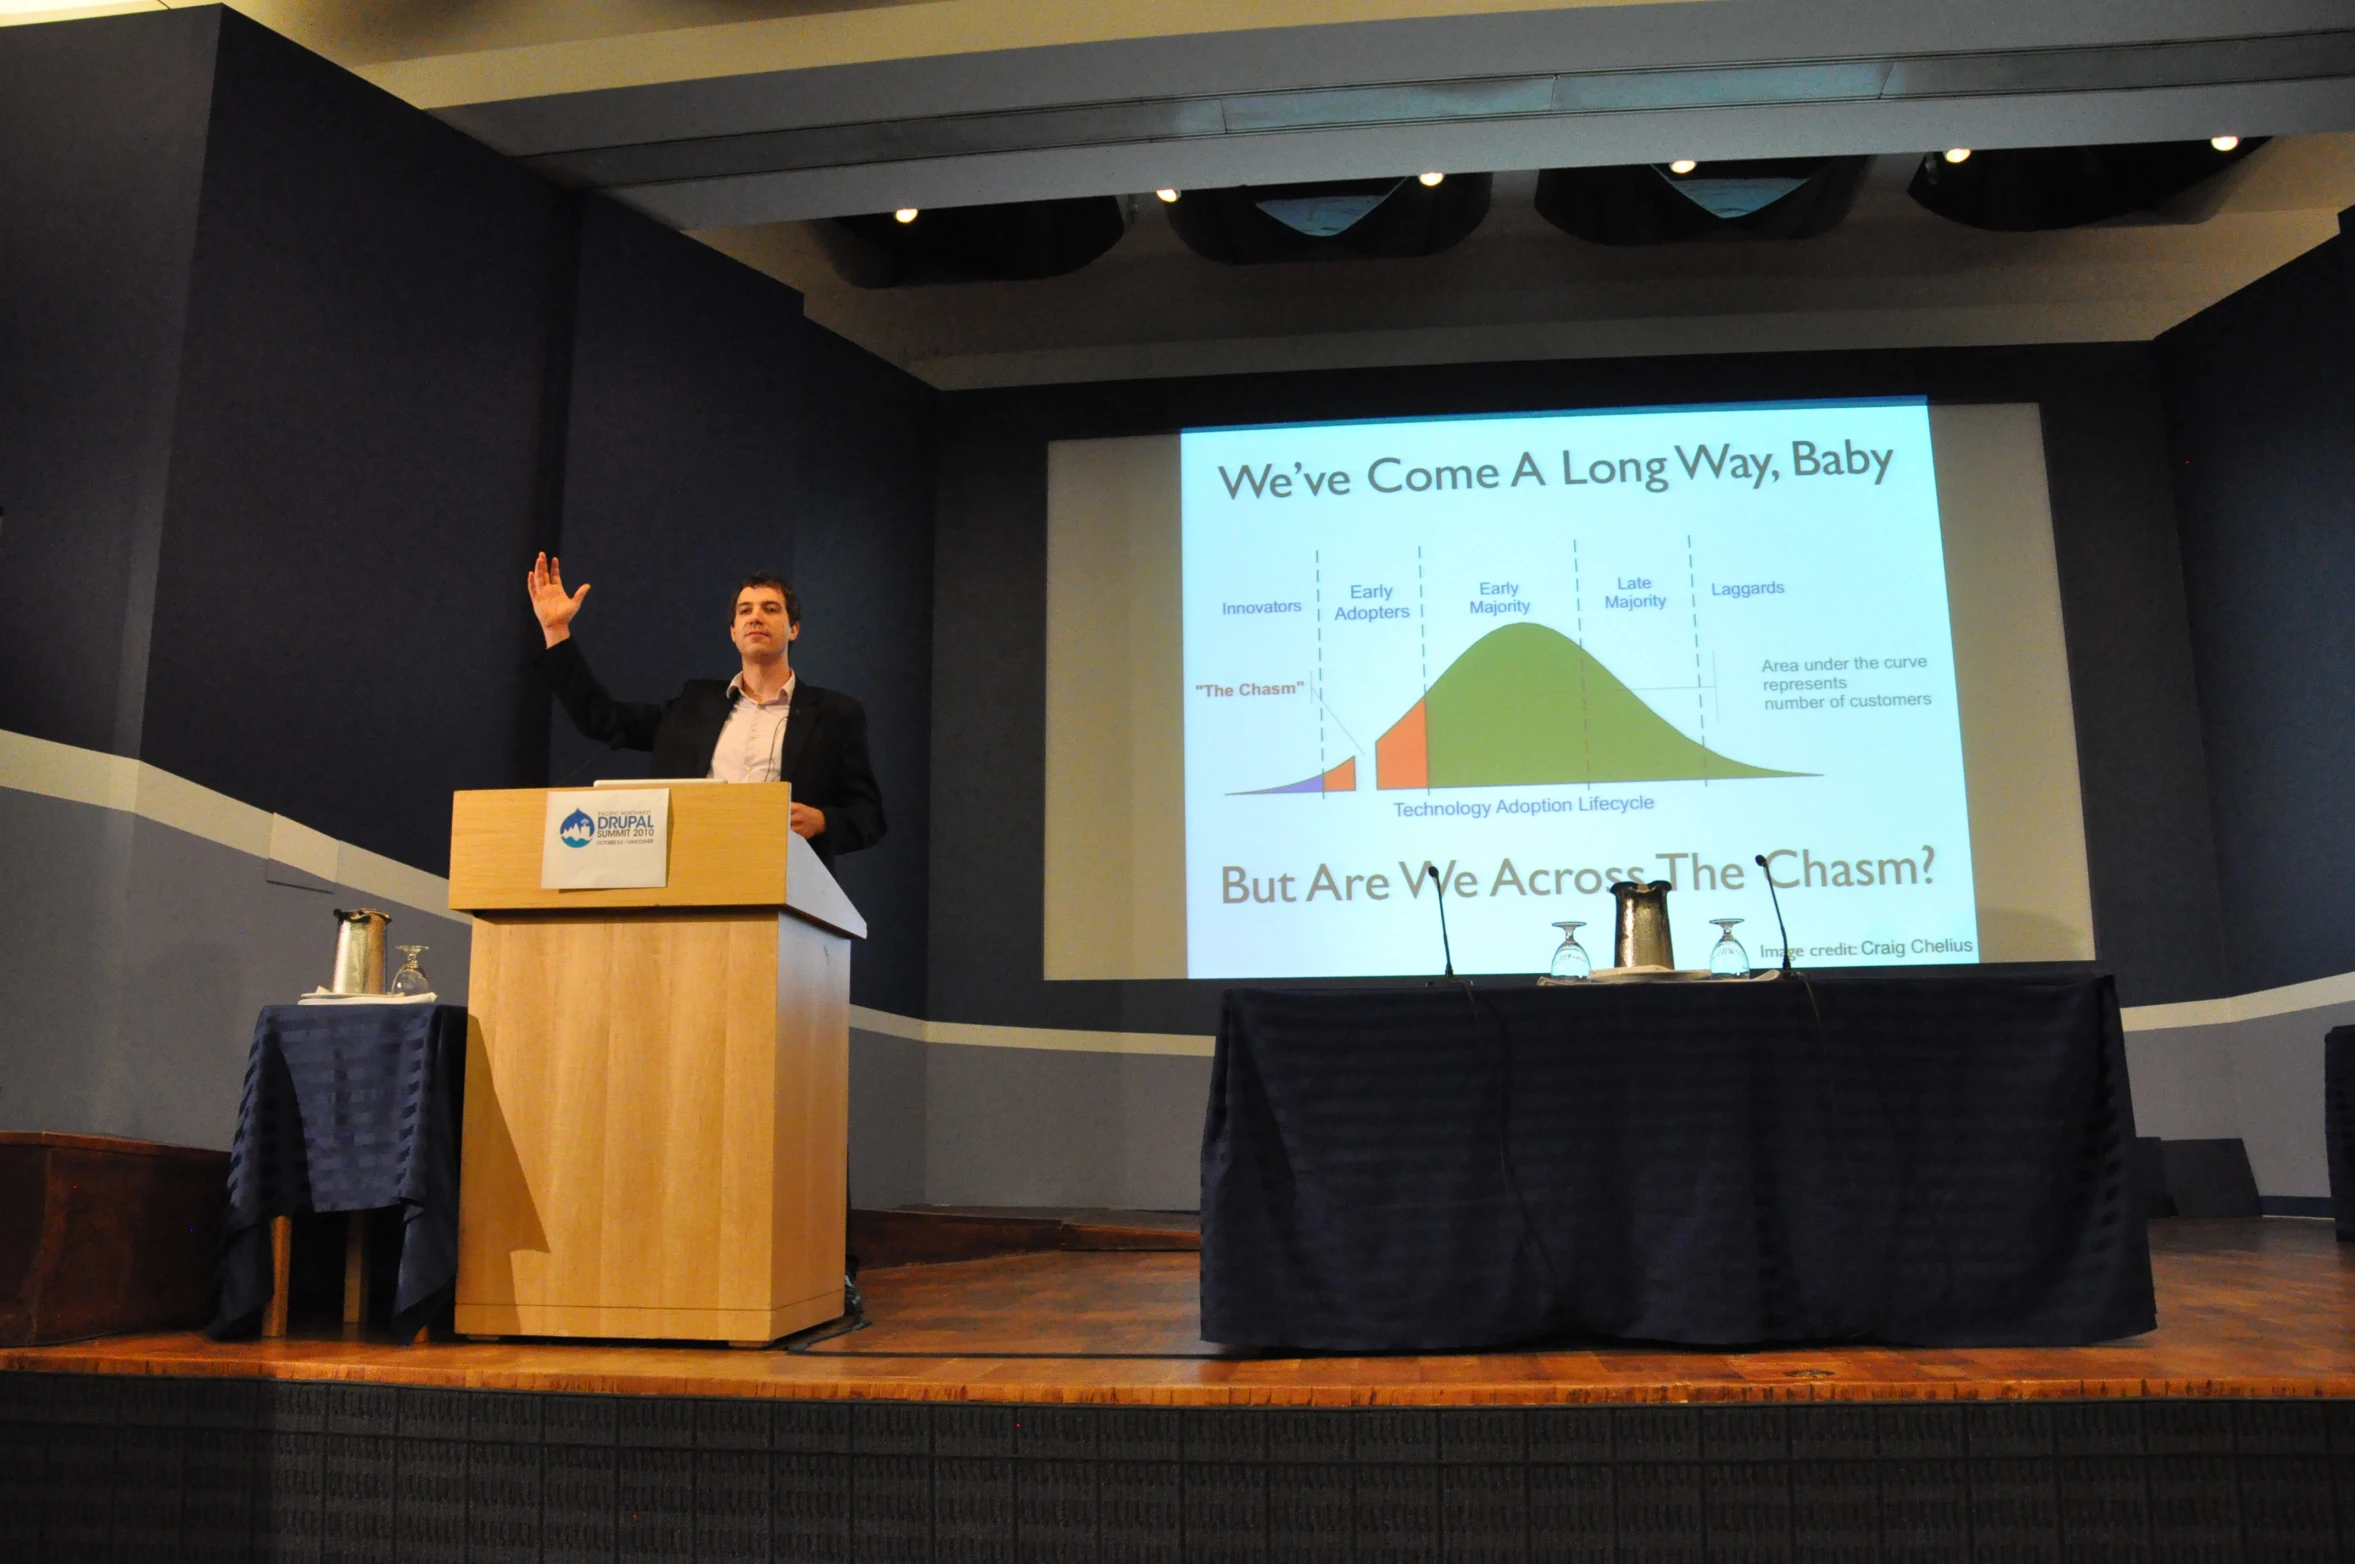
x=1315 y=784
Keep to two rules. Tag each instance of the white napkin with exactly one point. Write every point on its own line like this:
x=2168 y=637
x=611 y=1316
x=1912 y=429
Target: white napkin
x=320 y=996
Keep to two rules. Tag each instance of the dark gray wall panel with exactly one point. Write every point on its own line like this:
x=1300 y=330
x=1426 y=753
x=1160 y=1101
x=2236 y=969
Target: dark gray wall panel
x=989 y=726
x=319 y=374
x=102 y=140
x=137 y=956
x=1046 y=1127
x=887 y=1109
x=864 y=570
x=682 y=465
x=340 y=625
x=2145 y=795
x=711 y=432
x=2141 y=755
x=2261 y=400
x=2258 y=1081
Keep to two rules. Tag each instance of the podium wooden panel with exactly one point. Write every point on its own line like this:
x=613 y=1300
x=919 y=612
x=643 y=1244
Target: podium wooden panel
x=657 y=1081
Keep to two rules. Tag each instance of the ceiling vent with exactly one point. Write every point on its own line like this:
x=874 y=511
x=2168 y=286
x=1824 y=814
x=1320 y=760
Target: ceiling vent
x=2027 y=189
x=1662 y=203
x=1334 y=219
x=1015 y=242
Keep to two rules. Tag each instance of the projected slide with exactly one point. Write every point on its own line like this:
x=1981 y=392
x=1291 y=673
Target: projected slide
x=1537 y=654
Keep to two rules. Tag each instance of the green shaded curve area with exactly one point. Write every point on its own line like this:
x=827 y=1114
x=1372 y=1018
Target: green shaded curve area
x=1525 y=703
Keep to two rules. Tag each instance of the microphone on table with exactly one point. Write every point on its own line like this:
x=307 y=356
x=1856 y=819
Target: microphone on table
x=1778 y=911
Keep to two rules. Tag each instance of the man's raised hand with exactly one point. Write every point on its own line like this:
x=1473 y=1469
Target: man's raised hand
x=550 y=603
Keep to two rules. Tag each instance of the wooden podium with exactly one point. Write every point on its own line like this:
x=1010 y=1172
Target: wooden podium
x=657 y=1081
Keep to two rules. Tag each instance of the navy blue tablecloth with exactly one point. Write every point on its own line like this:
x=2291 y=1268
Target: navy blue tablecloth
x=347 y=1108
x=1929 y=1161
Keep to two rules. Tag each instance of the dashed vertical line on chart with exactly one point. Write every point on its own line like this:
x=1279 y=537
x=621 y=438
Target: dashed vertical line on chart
x=1692 y=581
x=1317 y=558
x=1586 y=749
x=1422 y=623
x=1423 y=659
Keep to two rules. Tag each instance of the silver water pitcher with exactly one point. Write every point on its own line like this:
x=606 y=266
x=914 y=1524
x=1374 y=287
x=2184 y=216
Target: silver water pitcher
x=359 y=951
x=1641 y=938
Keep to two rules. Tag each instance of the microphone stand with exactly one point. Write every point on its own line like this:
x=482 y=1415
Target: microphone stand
x=1760 y=860
x=1445 y=950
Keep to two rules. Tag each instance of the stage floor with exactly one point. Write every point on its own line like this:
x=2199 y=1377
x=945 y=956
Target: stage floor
x=2260 y=1308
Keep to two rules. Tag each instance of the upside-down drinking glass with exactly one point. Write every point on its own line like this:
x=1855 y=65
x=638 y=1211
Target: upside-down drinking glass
x=410 y=980
x=1571 y=961
x=1727 y=958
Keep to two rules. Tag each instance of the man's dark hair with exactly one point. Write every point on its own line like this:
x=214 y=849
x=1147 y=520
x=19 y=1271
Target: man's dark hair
x=763 y=578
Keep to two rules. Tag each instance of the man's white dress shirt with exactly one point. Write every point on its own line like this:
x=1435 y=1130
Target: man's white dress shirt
x=752 y=743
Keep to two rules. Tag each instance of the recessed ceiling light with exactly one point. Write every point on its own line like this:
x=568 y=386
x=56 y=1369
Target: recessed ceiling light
x=906 y=214
x=1427 y=181
x=1167 y=195
x=2224 y=143
x=1958 y=154
x=1683 y=165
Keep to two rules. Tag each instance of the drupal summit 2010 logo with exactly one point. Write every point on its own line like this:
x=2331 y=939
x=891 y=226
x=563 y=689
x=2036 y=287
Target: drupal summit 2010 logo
x=578 y=830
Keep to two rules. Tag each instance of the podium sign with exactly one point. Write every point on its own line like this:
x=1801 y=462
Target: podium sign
x=606 y=840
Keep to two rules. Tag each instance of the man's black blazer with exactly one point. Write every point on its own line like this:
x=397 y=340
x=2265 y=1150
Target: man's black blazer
x=825 y=741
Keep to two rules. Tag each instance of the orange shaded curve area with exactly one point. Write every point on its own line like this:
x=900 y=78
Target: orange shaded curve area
x=1342 y=778
x=1402 y=756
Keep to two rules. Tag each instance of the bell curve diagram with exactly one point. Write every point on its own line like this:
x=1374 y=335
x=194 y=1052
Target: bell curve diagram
x=1527 y=704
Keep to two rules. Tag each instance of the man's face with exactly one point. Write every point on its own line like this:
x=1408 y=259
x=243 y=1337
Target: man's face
x=760 y=629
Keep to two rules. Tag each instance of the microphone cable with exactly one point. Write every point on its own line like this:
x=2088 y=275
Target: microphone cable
x=1504 y=1069
x=1903 y=1147
x=1877 y=1084
x=1503 y=1074
x=575 y=771
x=777 y=750
x=854 y=1318
x=1828 y=1078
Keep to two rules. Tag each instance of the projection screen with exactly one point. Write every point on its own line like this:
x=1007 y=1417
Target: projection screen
x=1294 y=672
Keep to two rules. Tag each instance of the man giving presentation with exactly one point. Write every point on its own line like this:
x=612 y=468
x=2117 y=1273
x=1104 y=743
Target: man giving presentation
x=764 y=725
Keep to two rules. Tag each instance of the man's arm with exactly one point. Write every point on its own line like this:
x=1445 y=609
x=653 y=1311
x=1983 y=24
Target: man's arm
x=854 y=814
x=622 y=724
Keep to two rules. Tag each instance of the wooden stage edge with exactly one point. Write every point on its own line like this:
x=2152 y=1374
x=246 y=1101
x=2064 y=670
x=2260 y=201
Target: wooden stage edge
x=2261 y=1309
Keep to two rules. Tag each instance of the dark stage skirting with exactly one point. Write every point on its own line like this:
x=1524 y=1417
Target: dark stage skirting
x=347 y=1108
x=1934 y=1162
x=106 y=1466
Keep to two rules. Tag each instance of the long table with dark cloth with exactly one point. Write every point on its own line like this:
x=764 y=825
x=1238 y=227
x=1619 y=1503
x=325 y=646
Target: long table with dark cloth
x=347 y=1108
x=1911 y=1160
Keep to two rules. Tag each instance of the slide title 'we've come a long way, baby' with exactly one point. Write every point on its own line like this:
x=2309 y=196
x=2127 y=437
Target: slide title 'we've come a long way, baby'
x=1654 y=474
